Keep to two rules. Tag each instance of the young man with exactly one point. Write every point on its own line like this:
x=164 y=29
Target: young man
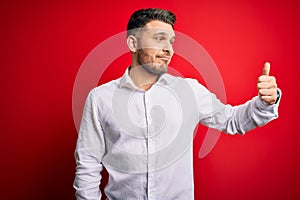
x=140 y=126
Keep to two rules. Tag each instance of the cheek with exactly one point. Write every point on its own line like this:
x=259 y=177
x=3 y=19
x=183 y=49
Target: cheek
x=151 y=44
x=144 y=57
x=150 y=53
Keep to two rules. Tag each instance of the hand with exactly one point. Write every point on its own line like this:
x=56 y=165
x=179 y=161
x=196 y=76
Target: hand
x=267 y=86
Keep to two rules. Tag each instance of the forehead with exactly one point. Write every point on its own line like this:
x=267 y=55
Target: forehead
x=158 y=26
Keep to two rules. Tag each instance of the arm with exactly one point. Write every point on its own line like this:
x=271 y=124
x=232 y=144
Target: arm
x=245 y=117
x=89 y=152
x=240 y=119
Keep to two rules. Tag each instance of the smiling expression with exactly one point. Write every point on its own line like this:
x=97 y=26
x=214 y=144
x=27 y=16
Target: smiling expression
x=155 y=47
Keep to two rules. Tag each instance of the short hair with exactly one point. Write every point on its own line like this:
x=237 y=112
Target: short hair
x=141 y=17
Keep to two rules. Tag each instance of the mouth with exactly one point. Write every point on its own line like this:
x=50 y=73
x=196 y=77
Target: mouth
x=165 y=58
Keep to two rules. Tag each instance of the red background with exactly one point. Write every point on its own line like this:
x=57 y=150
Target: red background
x=43 y=44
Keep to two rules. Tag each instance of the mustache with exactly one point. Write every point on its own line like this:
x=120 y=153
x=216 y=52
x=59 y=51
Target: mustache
x=164 y=56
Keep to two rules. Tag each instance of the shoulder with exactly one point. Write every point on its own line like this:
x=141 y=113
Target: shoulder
x=194 y=84
x=105 y=90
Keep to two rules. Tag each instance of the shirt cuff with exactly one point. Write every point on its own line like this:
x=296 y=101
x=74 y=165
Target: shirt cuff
x=263 y=104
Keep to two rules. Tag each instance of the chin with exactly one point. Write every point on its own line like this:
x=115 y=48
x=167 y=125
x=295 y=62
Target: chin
x=161 y=68
x=156 y=69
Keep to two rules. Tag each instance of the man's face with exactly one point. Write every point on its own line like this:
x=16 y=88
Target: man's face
x=155 y=47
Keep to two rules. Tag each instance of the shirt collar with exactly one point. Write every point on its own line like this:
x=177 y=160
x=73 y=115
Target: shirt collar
x=127 y=82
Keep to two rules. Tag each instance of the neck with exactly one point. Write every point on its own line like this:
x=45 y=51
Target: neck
x=141 y=78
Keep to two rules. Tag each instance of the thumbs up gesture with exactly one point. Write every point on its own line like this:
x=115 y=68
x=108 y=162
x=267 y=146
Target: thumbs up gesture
x=267 y=86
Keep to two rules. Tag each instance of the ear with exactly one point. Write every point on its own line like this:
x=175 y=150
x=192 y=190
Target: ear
x=132 y=43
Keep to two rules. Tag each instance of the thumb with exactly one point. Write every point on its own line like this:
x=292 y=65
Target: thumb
x=266 y=69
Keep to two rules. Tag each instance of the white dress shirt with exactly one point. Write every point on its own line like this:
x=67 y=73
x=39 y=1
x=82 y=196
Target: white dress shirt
x=144 y=138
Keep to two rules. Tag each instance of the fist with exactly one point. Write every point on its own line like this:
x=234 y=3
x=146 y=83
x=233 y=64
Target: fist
x=267 y=86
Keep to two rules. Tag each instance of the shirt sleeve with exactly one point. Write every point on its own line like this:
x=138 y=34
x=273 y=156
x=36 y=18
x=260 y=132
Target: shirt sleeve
x=232 y=119
x=89 y=152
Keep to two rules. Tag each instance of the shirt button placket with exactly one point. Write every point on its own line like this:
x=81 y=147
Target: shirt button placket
x=151 y=170
x=150 y=152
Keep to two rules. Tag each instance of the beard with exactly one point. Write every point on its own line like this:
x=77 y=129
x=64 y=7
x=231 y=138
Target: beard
x=147 y=62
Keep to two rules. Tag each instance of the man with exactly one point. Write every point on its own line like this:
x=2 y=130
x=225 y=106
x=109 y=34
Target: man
x=140 y=126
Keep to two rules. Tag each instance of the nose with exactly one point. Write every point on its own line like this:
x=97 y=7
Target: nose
x=168 y=47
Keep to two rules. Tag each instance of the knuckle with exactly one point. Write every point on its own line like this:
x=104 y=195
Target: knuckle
x=273 y=79
x=261 y=78
x=259 y=85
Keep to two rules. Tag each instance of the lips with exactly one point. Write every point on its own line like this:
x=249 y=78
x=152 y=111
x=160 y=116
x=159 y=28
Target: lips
x=164 y=58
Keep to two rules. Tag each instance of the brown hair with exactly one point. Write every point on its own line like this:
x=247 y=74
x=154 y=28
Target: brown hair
x=141 y=17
